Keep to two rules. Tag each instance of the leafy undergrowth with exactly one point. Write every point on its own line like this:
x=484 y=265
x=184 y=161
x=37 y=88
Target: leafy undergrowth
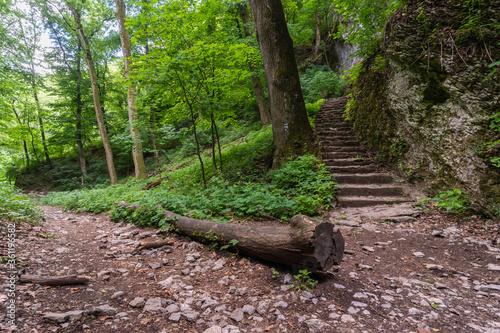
x=246 y=188
x=17 y=207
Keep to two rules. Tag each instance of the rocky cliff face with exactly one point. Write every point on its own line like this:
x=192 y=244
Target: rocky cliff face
x=424 y=104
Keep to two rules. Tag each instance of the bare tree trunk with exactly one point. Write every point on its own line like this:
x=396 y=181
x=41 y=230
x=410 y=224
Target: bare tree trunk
x=32 y=141
x=198 y=152
x=26 y=154
x=40 y=121
x=95 y=93
x=140 y=168
x=218 y=144
x=318 y=35
x=292 y=132
x=24 y=141
x=214 y=160
x=265 y=116
x=152 y=126
x=79 y=143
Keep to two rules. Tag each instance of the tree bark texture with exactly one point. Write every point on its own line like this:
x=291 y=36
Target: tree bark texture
x=307 y=244
x=95 y=94
x=292 y=132
x=265 y=116
x=79 y=106
x=140 y=167
x=318 y=35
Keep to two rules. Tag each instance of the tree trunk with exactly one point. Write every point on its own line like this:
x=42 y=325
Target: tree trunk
x=95 y=93
x=79 y=142
x=40 y=121
x=318 y=35
x=140 y=168
x=308 y=243
x=25 y=145
x=214 y=158
x=26 y=154
x=265 y=116
x=32 y=140
x=292 y=132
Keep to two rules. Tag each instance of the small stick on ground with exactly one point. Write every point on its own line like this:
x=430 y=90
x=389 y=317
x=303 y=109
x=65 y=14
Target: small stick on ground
x=63 y=280
x=152 y=245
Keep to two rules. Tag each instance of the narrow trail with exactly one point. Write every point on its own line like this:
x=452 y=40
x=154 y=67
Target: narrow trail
x=435 y=273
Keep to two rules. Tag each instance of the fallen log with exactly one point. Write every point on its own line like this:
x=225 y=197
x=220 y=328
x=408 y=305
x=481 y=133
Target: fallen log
x=307 y=243
x=62 y=280
x=152 y=245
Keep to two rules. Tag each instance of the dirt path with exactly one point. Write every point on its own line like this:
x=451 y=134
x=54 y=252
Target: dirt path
x=433 y=275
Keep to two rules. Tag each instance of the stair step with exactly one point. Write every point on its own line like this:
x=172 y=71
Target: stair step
x=347 y=142
x=347 y=161
x=364 y=178
x=370 y=190
x=352 y=169
x=341 y=155
x=370 y=201
x=343 y=149
x=337 y=131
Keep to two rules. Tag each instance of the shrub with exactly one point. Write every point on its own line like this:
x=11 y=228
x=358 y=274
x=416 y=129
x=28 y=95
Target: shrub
x=453 y=201
x=320 y=82
x=15 y=206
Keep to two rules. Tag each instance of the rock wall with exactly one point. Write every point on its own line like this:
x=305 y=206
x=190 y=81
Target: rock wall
x=423 y=105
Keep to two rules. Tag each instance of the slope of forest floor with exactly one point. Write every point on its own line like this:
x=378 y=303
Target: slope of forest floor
x=437 y=274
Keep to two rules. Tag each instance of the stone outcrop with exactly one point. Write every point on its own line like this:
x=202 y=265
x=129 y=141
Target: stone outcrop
x=423 y=102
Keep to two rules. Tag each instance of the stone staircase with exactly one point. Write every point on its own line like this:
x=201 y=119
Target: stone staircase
x=360 y=183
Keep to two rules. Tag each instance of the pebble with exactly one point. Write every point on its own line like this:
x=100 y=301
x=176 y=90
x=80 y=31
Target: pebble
x=172 y=308
x=347 y=318
x=213 y=329
x=418 y=254
x=262 y=307
x=493 y=267
x=237 y=315
x=368 y=249
x=280 y=304
x=117 y=294
x=359 y=304
x=366 y=267
x=240 y=291
x=175 y=316
x=248 y=309
x=219 y=264
x=191 y=315
x=103 y=310
x=153 y=305
x=316 y=325
x=434 y=267
x=306 y=294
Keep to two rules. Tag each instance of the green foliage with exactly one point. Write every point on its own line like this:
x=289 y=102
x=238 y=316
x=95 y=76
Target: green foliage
x=320 y=82
x=232 y=242
x=491 y=149
x=17 y=207
x=365 y=22
x=304 y=281
x=312 y=109
x=308 y=181
x=301 y=186
x=453 y=201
